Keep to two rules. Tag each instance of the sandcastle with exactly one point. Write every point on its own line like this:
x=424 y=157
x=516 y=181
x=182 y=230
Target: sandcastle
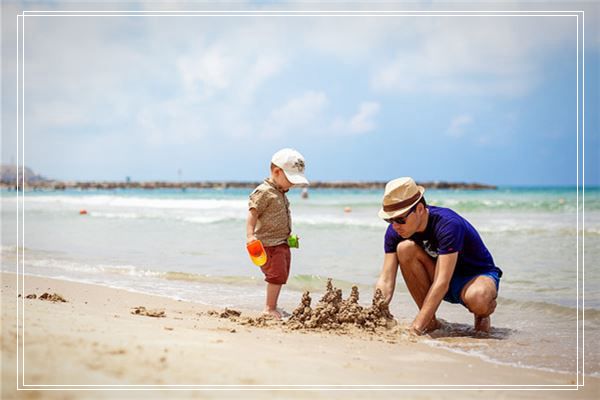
x=333 y=313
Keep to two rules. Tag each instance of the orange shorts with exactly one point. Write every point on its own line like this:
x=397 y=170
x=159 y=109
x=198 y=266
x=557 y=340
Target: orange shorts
x=277 y=267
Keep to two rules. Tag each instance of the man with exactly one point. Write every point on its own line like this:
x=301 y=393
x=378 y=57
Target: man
x=441 y=257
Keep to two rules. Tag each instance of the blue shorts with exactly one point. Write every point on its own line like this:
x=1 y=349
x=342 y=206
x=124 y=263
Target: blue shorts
x=458 y=282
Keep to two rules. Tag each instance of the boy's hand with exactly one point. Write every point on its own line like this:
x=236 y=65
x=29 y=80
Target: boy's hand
x=250 y=238
x=293 y=241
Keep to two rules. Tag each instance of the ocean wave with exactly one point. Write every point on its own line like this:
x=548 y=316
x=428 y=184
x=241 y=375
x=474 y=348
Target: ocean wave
x=326 y=221
x=139 y=202
x=313 y=283
x=563 y=312
x=517 y=203
x=192 y=277
x=202 y=219
x=506 y=204
x=461 y=201
x=536 y=229
x=69 y=265
x=219 y=216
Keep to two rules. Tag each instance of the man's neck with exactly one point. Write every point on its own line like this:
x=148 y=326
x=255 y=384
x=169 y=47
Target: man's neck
x=424 y=222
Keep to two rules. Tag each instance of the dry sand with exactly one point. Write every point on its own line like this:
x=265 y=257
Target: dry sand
x=107 y=337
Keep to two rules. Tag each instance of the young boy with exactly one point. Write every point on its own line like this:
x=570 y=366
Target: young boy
x=270 y=221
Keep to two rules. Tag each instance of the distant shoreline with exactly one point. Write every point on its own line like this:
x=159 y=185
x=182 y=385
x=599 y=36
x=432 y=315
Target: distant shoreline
x=150 y=185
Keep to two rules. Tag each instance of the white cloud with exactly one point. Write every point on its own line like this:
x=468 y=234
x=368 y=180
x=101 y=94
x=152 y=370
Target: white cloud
x=264 y=67
x=170 y=122
x=458 y=125
x=60 y=114
x=179 y=80
x=211 y=67
x=361 y=122
x=296 y=114
x=471 y=56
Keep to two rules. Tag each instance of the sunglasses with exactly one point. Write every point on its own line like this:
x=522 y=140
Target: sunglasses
x=401 y=220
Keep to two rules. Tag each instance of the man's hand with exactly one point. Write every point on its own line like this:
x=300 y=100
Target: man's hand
x=441 y=281
x=387 y=278
x=415 y=331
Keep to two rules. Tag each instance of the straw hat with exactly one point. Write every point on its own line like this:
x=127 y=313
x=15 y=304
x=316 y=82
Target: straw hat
x=400 y=195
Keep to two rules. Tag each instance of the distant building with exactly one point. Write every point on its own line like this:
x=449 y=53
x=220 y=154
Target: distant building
x=9 y=173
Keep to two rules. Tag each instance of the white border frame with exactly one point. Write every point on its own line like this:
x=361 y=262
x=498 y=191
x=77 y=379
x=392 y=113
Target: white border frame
x=294 y=13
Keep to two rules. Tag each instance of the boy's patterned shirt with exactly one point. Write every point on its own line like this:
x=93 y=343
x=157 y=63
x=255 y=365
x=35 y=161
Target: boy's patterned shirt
x=274 y=223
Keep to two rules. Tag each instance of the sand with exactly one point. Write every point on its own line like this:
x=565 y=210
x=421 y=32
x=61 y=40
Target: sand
x=106 y=337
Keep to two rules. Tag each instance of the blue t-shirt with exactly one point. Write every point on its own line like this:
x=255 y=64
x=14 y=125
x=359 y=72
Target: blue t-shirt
x=446 y=233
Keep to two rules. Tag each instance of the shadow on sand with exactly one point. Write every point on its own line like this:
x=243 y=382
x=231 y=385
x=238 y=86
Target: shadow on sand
x=459 y=330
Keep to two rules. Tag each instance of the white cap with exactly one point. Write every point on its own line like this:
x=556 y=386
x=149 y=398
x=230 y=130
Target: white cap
x=292 y=164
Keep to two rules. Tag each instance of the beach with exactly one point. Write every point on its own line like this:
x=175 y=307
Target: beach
x=94 y=339
x=184 y=252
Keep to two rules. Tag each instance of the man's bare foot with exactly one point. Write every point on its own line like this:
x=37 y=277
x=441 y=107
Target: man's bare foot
x=482 y=324
x=273 y=313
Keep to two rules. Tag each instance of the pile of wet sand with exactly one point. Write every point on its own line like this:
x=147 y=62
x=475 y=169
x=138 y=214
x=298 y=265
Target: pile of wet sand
x=55 y=297
x=141 y=310
x=334 y=313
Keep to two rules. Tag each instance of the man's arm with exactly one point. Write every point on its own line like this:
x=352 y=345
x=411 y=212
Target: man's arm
x=251 y=224
x=387 y=277
x=441 y=280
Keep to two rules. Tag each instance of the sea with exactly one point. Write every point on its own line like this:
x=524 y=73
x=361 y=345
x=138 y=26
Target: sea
x=190 y=245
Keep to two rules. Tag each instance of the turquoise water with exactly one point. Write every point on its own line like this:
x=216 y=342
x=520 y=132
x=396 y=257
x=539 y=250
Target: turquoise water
x=191 y=245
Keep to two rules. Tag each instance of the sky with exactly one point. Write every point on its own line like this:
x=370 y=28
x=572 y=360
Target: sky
x=489 y=99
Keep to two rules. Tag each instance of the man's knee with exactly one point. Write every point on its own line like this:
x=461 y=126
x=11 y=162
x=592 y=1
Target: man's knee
x=480 y=299
x=406 y=250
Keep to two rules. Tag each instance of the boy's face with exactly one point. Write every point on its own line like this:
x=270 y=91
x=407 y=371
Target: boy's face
x=280 y=179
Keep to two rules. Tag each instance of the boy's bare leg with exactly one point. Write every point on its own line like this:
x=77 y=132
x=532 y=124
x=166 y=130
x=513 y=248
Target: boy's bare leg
x=272 y=297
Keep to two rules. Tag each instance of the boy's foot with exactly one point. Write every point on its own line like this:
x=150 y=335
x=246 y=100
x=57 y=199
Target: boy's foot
x=273 y=313
x=482 y=324
x=283 y=313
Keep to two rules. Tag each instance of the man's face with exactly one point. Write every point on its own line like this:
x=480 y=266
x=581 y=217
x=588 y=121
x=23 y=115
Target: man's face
x=411 y=222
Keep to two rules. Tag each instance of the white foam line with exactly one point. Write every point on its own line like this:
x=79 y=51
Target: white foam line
x=577 y=214
x=583 y=193
x=298 y=11
x=18 y=161
x=489 y=359
x=23 y=195
x=300 y=15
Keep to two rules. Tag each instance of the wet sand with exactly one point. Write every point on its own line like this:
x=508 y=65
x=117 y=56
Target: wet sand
x=106 y=337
